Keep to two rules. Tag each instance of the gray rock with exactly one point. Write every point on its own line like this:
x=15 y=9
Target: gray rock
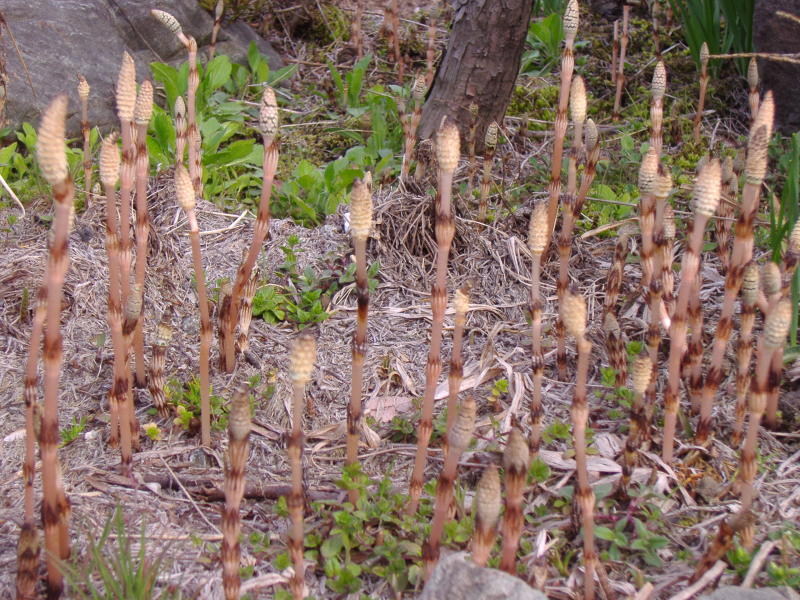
x=456 y=577
x=58 y=39
x=775 y=34
x=732 y=592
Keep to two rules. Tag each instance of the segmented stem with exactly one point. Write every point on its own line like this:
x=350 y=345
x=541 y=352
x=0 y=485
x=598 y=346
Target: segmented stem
x=164 y=333
x=515 y=462
x=623 y=48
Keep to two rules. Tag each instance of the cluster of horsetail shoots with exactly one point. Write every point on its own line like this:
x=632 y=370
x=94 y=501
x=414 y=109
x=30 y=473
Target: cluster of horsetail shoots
x=410 y=121
x=458 y=438
x=156 y=381
x=461 y=306
x=573 y=311
x=701 y=101
x=52 y=159
x=304 y=354
x=489 y=147
x=658 y=87
x=238 y=434
x=186 y=198
x=126 y=107
x=488 y=504
x=268 y=125
x=641 y=376
x=219 y=8
x=705 y=200
x=570 y=22
x=516 y=459
x=741 y=254
x=448 y=151
x=360 y=225
x=83 y=95
x=538 y=236
x=615 y=344
x=141 y=117
x=619 y=80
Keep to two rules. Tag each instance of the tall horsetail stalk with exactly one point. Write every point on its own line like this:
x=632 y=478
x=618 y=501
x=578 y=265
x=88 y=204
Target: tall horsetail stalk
x=448 y=150
x=246 y=311
x=223 y=316
x=570 y=20
x=356 y=30
x=430 y=52
x=304 y=354
x=28 y=547
x=360 y=225
x=538 y=236
x=641 y=376
x=186 y=198
x=489 y=147
x=648 y=173
x=126 y=106
x=218 y=10
x=410 y=121
x=771 y=283
x=577 y=104
x=109 y=174
x=741 y=254
x=51 y=155
x=458 y=438
x=141 y=117
x=693 y=361
x=705 y=200
x=744 y=347
x=722 y=225
x=752 y=81
x=615 y=53
x=268 y=124
x=776 y=327
x=623 y=48
x=83 y=95
x=129 y=426
x=393 y=31
x=180 y=130
x=658 y=87
x=461 y=306
x=701 y=101
x=516 y=459
x=238 y=434
x=573 y=311
x=615 y=344
x=164 y=333
x=487 y=512
x=667 y=250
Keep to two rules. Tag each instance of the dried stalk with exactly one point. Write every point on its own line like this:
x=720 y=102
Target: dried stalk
x=304 y=354
x=570 y=21
x=752 y=80
x=698 y=116
x=246 y=311
x=744 y=347
x=658 y=88
x=223 y=318
x=238 y=433
x=180 y=130
x=461 y=306
x=741 y=254
x=515 y=463
x=573 y=311
x=268 y=124
x=641 y=376
x=55 y=506
x=648 y=173
x=218 y=10
x=164 y=333
x=538 y=236
x=360 y=225
x=623 y=48
x=705 y=201
x=83 y=95
x=490 y=145
x=459 y=436
x=448 y=151
x=141 y=117
x=186 y=198
x=487 y=512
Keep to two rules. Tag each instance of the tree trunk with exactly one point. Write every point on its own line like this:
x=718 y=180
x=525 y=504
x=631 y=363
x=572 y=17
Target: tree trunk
x=480 y=65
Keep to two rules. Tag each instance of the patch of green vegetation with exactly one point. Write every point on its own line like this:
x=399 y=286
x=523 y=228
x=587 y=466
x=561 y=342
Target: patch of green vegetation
x=185 y=397
x=70 y=433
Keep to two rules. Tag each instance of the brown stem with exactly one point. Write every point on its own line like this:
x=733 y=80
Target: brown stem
x=537 y=412
x=356 y=35
x=461 y=305
x=218 y=9
x=694 y=353
x=205 y=330
x=129 y=427
x=487 y=512
x=359 y=355
x=698 y=116
x=164 y=333
x=430 y=52
x=554 y=188
x=180 y=130
x=620 y=80
x=615 y=53
x=515 y=462
x=87 y=156
x=142 y=233
x=246 y=311
x=744 y=349
x=193 y=130
x=486 y=179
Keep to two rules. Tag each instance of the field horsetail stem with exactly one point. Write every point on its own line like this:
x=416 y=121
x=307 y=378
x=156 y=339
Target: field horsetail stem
x=268 y=124
x=141 y=117
x=163 y=337
x=516 y=460
x=132 y=311
x=570 y=21
x=186 y=198
x=304 y=354
x=218 y=10
x=538 y=236
x=246 y=311
x=741 y=254
x=180 y=130
x=488 y=504
x=238 y=434
x=126 y=106
x=641 y=375
x=752 y=81
x=705 y=200
x=448 y=152
x=410 y=121
x=701 y=101
x=360 y=225
x=744 y=347
x=52 y=159
x=461 y=307
x=83 y=95
x=658 y=88
x=619 y=80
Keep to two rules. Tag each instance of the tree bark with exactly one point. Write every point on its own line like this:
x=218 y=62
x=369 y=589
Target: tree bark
x=480 y=65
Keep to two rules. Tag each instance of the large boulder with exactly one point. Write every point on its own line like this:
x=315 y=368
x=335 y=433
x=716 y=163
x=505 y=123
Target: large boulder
x=731 y=592
x=59 y=39
x=779 y=35
x=456 y=577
